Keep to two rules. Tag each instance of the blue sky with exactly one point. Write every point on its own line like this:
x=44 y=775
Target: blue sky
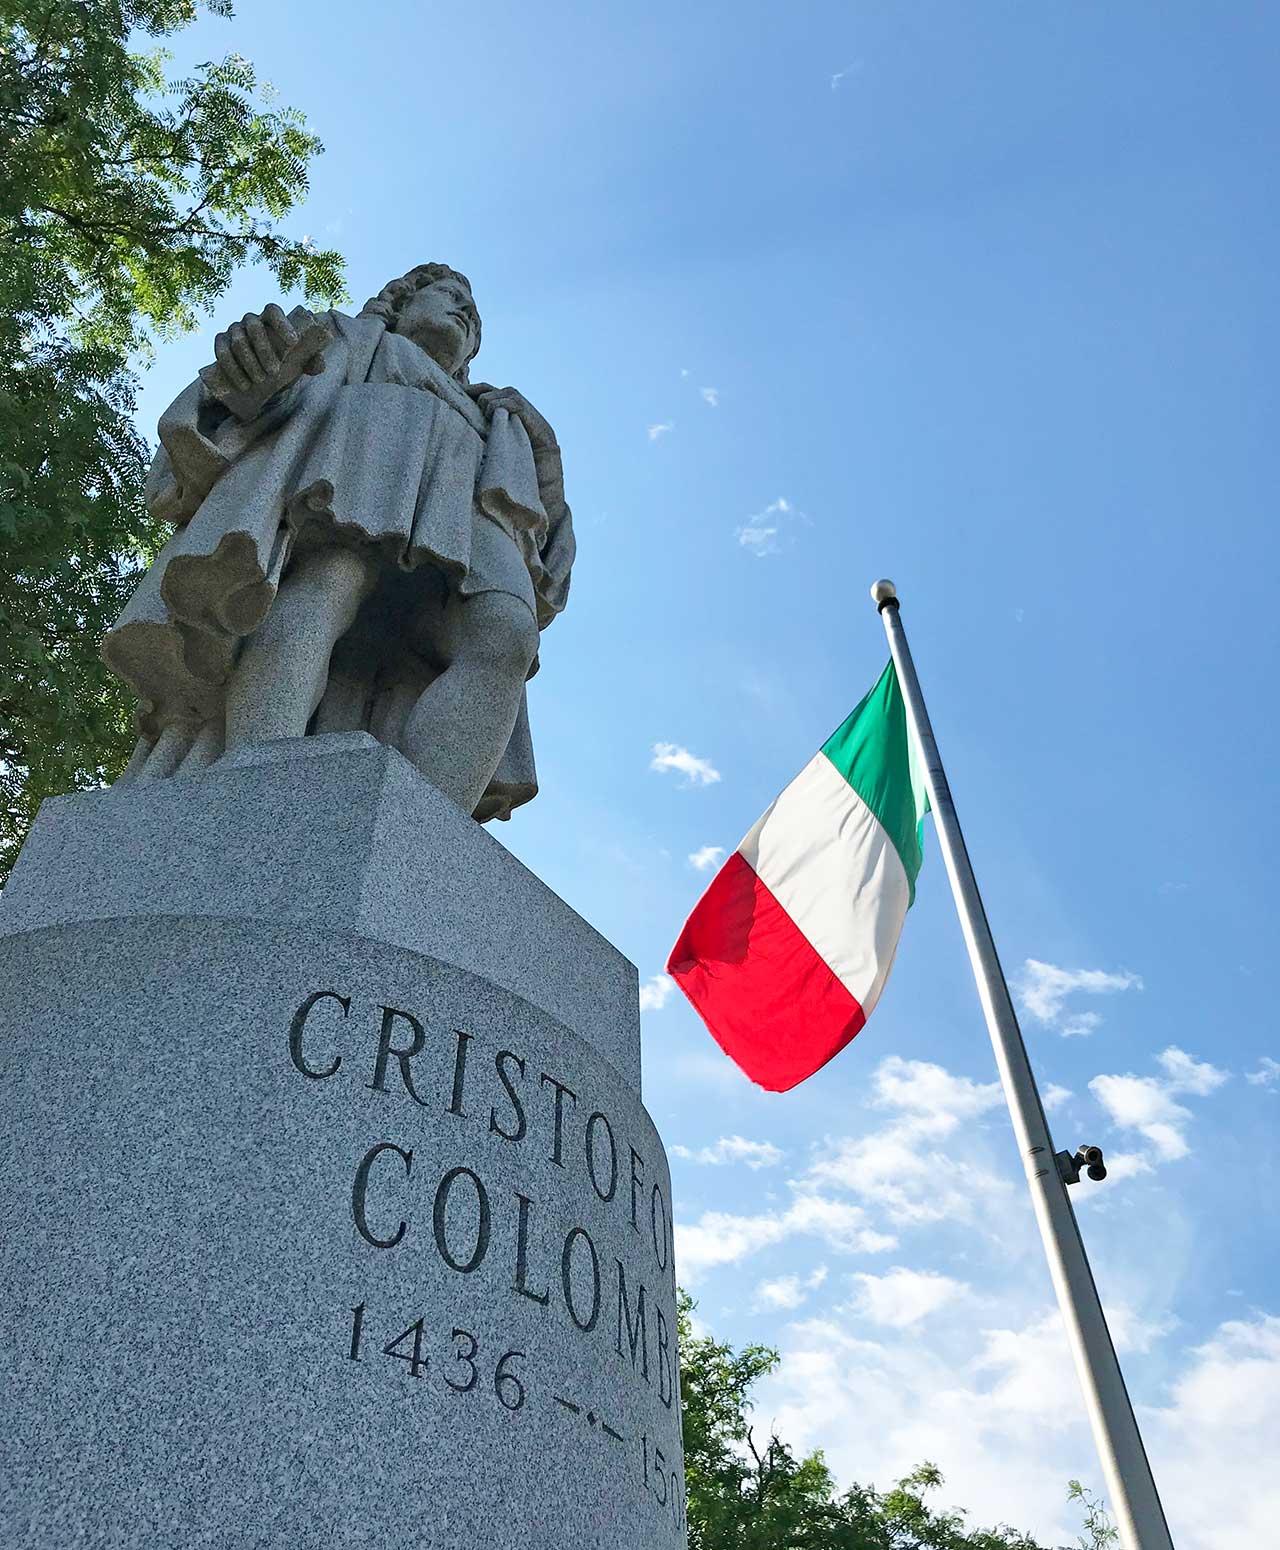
x=981 y=298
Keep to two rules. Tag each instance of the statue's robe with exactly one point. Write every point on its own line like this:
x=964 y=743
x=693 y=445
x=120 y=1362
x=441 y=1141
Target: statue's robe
x=381 y=448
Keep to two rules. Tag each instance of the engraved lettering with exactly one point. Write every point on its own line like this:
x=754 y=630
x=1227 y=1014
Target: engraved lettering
x=465 y=1359
x=459 y=1072
x=666 y=1385
x=299 y=1023
x=403 y=1056
x=638 y=1333
x=439 y=1220
x=359 y=1193
x=521 y=1123
x=558 y=1149
x=637 y=1179
x=604 y=1194
x=659 y=1238
x=506 y=1385
x=566 y=1278
x=522 y=1256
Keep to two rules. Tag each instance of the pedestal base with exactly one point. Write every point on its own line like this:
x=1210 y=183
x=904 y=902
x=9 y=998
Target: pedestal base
x=313 y=1239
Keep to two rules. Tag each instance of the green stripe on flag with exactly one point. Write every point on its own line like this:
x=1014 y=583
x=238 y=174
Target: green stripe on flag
x=873 y=750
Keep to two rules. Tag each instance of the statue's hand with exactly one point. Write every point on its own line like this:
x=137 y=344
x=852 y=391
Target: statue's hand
x=490 y=398
x=252 y=353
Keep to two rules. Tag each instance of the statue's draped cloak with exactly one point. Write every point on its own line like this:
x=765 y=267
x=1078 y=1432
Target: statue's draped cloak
x=381 y=448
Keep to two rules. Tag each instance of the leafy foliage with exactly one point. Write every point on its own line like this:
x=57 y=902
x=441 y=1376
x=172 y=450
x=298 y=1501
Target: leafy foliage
x=746 y=1496
x=126 y=204
x=1099 y=1531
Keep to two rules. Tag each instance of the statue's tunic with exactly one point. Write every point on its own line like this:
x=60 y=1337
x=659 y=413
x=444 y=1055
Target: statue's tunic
x=382 y=448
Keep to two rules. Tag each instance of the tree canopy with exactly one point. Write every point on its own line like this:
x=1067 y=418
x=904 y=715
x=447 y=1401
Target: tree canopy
x=127 y=202
x=749 y=1493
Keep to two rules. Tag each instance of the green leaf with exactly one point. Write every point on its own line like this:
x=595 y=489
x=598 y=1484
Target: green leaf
x=127 y=202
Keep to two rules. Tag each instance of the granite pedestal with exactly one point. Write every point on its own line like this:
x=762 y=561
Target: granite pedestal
x=330 y=1215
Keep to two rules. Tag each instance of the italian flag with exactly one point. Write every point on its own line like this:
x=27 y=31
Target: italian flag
x=787 y=952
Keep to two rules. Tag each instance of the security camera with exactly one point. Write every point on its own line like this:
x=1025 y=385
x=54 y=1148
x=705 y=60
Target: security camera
x=1087 y=1157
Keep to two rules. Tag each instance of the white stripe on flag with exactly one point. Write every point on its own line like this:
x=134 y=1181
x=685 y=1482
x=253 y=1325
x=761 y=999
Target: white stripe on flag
x=824 y=856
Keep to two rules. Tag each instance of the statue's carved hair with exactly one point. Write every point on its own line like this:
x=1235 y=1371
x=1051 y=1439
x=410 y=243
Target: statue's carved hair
x=391 y=299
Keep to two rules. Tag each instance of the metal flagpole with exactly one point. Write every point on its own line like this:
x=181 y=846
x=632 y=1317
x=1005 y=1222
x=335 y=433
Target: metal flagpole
x=1130 y=1486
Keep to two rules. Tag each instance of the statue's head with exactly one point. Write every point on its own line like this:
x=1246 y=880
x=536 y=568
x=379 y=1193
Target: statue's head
x=433 y=306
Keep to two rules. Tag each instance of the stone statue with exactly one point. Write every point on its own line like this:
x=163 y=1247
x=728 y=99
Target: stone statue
x=365 y=541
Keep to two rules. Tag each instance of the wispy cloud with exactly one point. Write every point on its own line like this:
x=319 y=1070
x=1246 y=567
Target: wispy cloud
x=1055 y=1096
x=1183 y=1074
x=711 y=396
x=960 y=1385
x=733 y=1149
x=671 y=756
x=770 y=530
x=902 y=1168
x=902 y=1297
x=1043 y=990
x=759 y=534
x=661 y=429
x=789 y=1292
x=1267 y=1074
x=1148 y=1104
x=720 y=1238
x=704 y=859
x=656 y=992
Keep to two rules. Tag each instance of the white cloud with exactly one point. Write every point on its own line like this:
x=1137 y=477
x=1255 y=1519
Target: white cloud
x=948 y=1390
x=1267 y=1074
x=732 y=1149
x=762 y=534
x=670 y=756
x=1054 y=1096
x=1120 y=1165
x=899 y=1168
x=1043 y=988
x=1080 y=1025
x=661 y=429
x=711 y=396
x=1223 y=1425
x=931 y=1093
x=720 y=1238
x=656 y=992
x=704 y=859
x=1147 y=1103
x=1144 y=1104
x=902 y=1297
x=969 y=1395
x=789 y=1292
x=1185 y=1075
x=759 y=538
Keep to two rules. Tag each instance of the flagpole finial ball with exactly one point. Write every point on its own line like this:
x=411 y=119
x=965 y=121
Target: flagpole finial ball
x=883 y=592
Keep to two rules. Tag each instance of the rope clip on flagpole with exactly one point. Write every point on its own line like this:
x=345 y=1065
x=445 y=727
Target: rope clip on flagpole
x=1130 y=1485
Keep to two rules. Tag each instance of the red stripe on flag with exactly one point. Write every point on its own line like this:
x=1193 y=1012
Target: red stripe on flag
x=768 y=998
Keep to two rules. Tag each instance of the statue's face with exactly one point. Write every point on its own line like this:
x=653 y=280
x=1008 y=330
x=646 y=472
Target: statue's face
x=439 y=318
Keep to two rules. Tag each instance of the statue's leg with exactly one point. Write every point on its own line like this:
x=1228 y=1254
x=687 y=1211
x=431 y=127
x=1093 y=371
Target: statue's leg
x=283 y=668
x=171 y=748
x=459 y=728
x=137 y=762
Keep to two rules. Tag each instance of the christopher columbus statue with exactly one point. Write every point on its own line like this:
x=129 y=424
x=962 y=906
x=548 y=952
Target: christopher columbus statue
x=366 y=541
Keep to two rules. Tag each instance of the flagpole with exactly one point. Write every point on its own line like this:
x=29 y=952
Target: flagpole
x=1131 y=1488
